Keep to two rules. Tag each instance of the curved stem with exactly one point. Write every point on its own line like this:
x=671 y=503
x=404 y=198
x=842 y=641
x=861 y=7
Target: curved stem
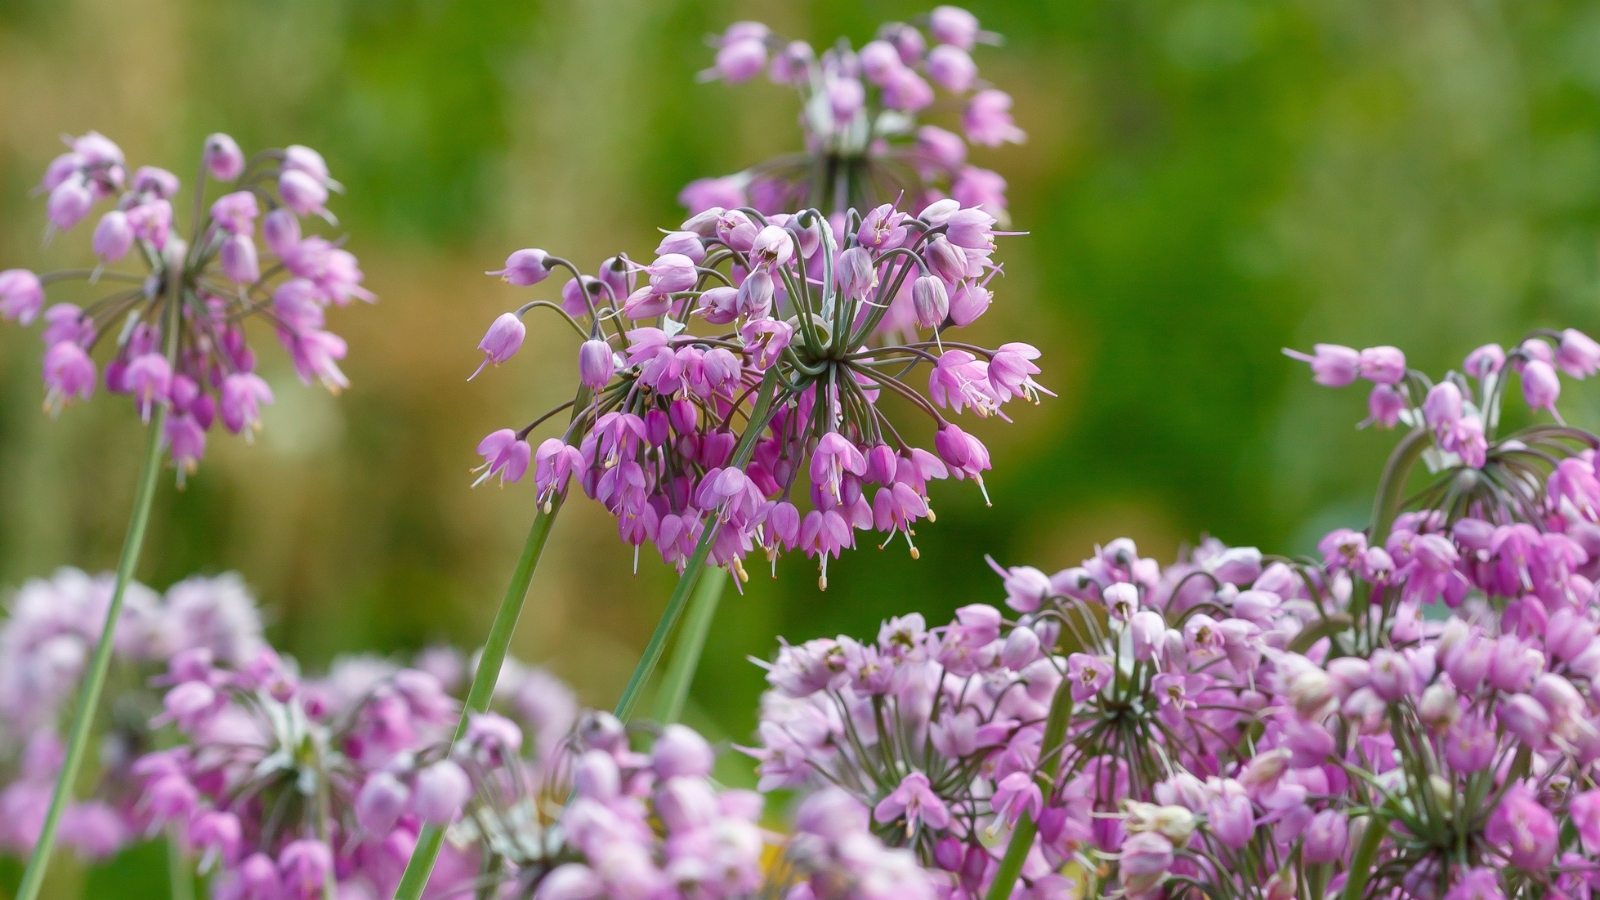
x=1055 y=732
x=1392 y=487
x=483 y=682
x=95 y=680
x=686 y=655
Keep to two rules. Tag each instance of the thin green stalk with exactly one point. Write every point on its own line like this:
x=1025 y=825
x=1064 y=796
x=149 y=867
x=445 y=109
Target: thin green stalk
x=178 y=873
x=1355 y=885
x=1055 y=732
x=483 y=682
x=760 y=415
x=686 y=655
x=1392 y=486
x=95 y=680
x=664 y=627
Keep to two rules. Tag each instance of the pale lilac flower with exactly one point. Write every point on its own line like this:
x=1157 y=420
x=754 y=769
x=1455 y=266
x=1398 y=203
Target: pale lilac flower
x=209 y=352
x=501 y=341
x=21 y=295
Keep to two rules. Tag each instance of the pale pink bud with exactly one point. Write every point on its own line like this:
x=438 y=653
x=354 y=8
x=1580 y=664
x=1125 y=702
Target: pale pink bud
x=281 y=228
x=953 y=25
x=596 y=363
x=301 y=192
x=238 y=258
x=441 y=790
x=113 y=236
x=69 y=203
x=1578 y=355
x=21 y=295
x=930 y=301
x=952 y=68
x=501 y=341
x=1541 y=386
x=524 y=268
x=1383 y=365
x=681 y=751
x=223 y=158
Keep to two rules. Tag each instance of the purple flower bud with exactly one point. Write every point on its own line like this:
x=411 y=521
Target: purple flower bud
x=571 y=881
x=1384 y=406
x=1332 y=365
x=1442 y=408
x=381 y=802
x=953 y=25
x=940 y=148
x=1327 y=837
x=683 y=243
x=855 y=273
x=1484 y=361
x=1383 y=365
x=930 y=301
x=147 y=378
x=441 y=790
x=1524 y=829
x=96 y=830
x=69 y=203
x=596 y=363
x=219 y=833
x=304 y=866
x=1578 y=355
x=772 y=247
x=1147 y=631
x=297 y=157
x=879 y=61
x=158 y=183
x=68 y=373
x=741 y=60
x=846 y=96
x=968 y=303
x=671 y=273
x=952 y=68
x=596 y=777
x=980 y=188
x=501 y=341
x=21 y=295
x=1021 y=648
x=113 y=236
x=1231 y=820
x=753 y=299
x=906 y=91
x=1146 y=857
x=152 y=221
x=236 y=213
x=238 y=258
x=1541 y=386
x=987 y=119
x=281 y=228
x=946 y=259
x=681 y=752
x=1392 y=676
x=301 y=192
x=1470 y=744
x=524 y=268
x=222 y=157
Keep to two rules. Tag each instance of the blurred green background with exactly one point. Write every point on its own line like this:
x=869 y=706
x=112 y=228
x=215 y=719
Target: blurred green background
x=1205 y=181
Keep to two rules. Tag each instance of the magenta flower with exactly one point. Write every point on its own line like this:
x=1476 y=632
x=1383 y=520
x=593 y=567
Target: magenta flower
x=858 y=109
x=183 y=319
x=662 y=433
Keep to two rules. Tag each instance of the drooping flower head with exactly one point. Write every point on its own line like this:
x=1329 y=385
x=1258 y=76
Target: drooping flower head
x=172 y=335
x=721 y=434
x=859 y=114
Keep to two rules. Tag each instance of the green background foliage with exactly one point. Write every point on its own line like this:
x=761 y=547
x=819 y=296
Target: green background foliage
x=1205 y=182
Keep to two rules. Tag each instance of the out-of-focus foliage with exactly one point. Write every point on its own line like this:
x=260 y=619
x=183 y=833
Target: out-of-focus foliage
x=1205 y=181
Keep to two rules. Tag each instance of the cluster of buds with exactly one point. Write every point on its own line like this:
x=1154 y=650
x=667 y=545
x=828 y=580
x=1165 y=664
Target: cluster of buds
x=859 y=112
x=177 y=334
x=689 y=438
x=610 y=821
x=49 y=633
x=941 y=732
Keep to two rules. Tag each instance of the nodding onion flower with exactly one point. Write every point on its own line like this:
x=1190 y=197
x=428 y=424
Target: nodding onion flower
x=722 y=432
x=859 y=114
x=175 y=331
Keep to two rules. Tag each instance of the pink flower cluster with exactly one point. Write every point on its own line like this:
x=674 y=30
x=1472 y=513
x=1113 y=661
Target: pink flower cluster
x=177 y=335
x=859 y=113
x=940 y=731
x=687 y=437
x=45 y=644
x=613 y=822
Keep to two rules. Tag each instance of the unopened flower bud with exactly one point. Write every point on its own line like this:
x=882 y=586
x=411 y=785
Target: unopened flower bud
x=223 y=158
x=1438 y=707
x=524 y=268
x=113 y=236
x=596 y=363
x=442 y=789
x=930 y=301
x=681 y=751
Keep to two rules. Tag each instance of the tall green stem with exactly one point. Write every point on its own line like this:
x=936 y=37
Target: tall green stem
x=483 y=682
x=686 y=654
x=1355 y=885
x=95 y=680
x=760 y=414
x=1055 y=732
x=178 y=872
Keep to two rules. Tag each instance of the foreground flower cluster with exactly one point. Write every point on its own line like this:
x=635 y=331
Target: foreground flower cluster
x=175 y=331
x=719 y=437
x=858 y=113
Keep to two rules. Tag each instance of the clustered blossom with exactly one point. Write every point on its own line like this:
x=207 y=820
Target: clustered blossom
x=719 y=437
x=45 y=645
x=281 y=787
x=175 y=331
x=611 y=821
x=1410 y=716
x=940 y=731
x=859 y=113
